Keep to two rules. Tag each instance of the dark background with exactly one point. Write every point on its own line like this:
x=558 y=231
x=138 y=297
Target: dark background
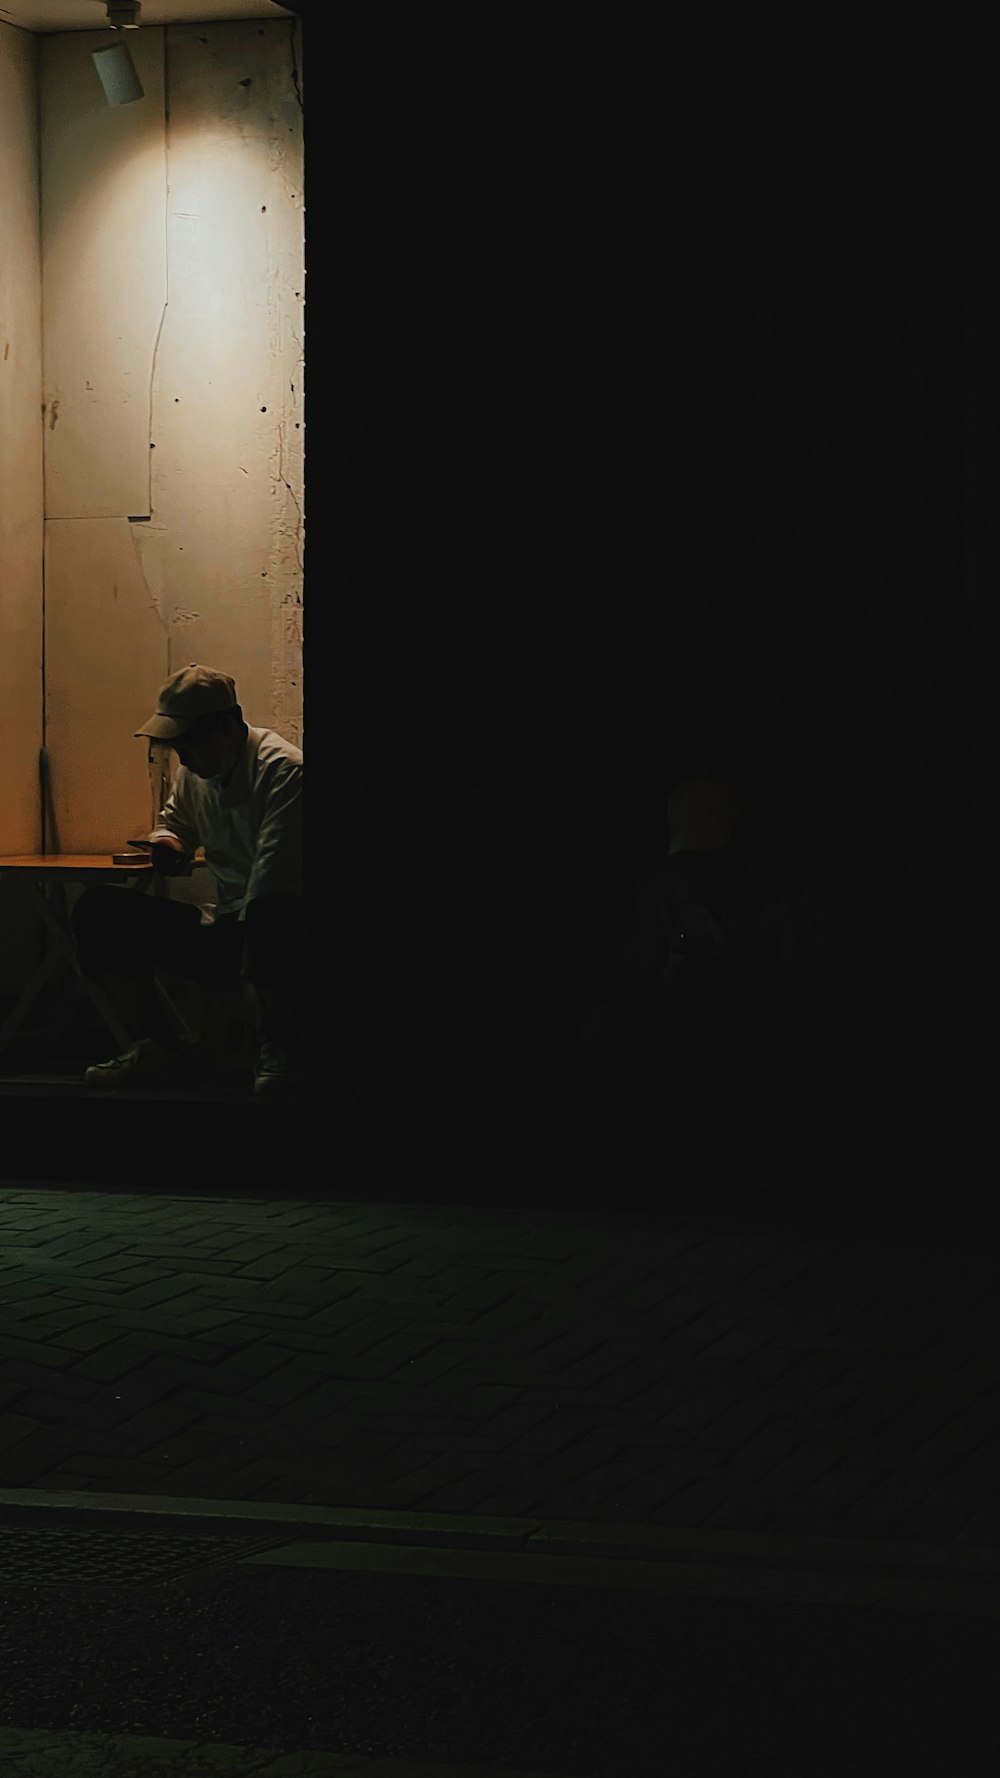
x=587 y=500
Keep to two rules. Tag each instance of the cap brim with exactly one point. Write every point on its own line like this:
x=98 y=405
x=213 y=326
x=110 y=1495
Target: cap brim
x=162 y=728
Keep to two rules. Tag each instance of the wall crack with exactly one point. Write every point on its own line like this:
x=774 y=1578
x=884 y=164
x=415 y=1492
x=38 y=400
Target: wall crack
x=299 y=525
x=295 y=66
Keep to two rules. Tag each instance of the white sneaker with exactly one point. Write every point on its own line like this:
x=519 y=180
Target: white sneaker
x=148 y=1063
x=276 y=1072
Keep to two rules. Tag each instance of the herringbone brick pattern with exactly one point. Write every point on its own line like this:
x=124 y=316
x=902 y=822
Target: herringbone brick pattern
x=672 y=1369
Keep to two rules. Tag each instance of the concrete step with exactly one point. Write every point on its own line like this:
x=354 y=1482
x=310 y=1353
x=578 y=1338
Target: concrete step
x=57 y=1128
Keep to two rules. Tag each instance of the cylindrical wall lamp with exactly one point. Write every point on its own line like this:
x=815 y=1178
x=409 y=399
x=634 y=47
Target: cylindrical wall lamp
x=117 y=74
x=114 y=64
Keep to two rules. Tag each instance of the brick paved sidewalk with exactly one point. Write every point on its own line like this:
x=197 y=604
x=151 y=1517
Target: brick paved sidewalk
x=675 y=1369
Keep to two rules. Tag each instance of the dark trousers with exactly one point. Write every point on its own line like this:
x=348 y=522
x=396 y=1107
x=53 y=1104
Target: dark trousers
x=123 y=935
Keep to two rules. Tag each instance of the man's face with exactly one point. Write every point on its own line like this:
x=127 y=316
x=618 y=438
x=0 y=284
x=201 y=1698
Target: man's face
x=204 y=750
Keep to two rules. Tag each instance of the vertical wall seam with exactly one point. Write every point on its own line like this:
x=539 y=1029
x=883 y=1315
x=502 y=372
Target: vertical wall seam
x=166 y=269
x=152 y=380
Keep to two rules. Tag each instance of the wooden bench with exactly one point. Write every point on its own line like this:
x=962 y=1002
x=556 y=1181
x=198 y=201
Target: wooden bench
x=47 y=875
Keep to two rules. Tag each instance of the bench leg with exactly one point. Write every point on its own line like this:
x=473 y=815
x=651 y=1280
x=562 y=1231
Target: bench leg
x=12 y=1022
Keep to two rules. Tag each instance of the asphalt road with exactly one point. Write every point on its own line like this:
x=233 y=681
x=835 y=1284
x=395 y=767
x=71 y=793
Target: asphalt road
x=571 y=1680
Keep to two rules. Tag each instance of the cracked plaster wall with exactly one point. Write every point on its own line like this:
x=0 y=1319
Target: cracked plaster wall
x=173 y=292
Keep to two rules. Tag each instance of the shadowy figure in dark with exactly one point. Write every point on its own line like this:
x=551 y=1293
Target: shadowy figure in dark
x=731 y=968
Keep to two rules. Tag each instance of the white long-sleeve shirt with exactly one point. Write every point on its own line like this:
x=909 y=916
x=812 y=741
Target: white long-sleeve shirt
x=251 y=830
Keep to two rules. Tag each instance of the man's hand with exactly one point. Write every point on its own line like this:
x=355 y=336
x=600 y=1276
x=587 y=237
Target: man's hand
x=169 y=858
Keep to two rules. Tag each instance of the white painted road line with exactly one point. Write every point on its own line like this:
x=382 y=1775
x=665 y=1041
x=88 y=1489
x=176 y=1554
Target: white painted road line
x=543 y=1540
x=60 y=1753
x=646 y=1558
x=752 y=1585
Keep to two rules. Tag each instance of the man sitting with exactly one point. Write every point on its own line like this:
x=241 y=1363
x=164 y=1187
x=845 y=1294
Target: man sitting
x=237 y=793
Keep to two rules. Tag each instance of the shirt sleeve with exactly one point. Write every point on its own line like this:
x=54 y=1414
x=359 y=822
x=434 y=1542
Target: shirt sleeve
x=177 y=819
x=277 y=864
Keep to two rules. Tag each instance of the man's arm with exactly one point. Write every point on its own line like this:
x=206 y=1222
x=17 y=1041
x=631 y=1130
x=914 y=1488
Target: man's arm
x=277 y=866
x=176 y=826
x=174 y=838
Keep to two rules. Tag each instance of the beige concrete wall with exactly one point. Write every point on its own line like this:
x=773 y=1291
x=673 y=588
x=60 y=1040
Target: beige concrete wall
x=223 y=549
x=20 y=447
x=173 y=255
x=104 y=649
x=104 y=288
x=104 y=276
x=20 y=500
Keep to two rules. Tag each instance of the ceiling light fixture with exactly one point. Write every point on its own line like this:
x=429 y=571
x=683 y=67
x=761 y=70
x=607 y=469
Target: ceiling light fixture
x=114 y=64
